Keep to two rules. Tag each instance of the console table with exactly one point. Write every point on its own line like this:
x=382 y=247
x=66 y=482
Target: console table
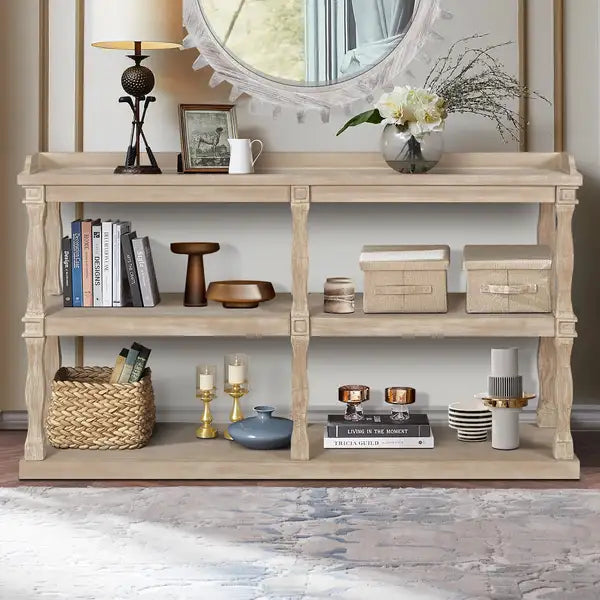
x=549 y=180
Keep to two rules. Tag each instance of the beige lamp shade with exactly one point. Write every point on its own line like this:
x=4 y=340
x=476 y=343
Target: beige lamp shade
x=118 y=24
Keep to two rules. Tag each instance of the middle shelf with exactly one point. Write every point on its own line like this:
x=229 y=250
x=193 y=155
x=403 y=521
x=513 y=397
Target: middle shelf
x=272 y=319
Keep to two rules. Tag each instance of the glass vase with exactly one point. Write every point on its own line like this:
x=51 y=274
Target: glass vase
x=404 y=153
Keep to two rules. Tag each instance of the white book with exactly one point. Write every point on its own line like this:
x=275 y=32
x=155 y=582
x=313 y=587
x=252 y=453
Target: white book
x=107 y=263
x=120 y=296
x=375 y=443
x=97 y=263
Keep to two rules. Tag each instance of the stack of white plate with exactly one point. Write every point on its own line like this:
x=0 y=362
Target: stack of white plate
x=471 y=419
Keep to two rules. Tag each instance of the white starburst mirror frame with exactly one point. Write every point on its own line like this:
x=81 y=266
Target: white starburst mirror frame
x=322 y=97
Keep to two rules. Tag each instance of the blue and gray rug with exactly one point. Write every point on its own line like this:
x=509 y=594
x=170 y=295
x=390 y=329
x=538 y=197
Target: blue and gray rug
x=261 y=543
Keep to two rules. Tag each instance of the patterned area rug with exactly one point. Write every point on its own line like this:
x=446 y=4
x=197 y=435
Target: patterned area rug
x=250 y=543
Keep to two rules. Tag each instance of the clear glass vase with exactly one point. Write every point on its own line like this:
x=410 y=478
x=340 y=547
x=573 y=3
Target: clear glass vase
x=407 y=154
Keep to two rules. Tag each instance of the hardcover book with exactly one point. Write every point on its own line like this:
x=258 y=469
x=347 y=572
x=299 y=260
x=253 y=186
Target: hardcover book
x=76 y=277
x=86 y=262
x=140 y=362
x=97 y=263
x=128 y=366
x=119 y=280
x=119 y=364
x=379 y=443
x=378 y=426
x=145 y=271
x=107 y=263
x=67 y=281
x=130 y=268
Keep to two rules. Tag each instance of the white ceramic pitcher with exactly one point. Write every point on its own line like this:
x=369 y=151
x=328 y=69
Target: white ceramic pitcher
x=242 y=159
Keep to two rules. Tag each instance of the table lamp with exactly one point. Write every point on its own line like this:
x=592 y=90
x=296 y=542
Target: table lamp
x=137 y=25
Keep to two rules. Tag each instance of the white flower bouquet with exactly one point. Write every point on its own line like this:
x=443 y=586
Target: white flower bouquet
x=465 y=80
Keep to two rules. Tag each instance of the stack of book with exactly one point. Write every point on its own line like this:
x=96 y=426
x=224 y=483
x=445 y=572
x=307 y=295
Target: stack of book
x=105 y=264
x=378 y=431
x=130 y=364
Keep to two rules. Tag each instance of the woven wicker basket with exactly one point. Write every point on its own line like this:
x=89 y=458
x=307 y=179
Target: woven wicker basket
x=89 y=413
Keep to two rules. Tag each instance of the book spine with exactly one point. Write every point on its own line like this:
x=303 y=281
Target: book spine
x=380 y=431
x=128 y=366
x=86 y=263
x=139 y=366
x=116 y=271
x=97 y=263
x=107 y=265
x=119 y=364
x=151 y=272
x=130 y=268
x=375 y=443
x=142 y=271
x=67 y=281
x=76 y=271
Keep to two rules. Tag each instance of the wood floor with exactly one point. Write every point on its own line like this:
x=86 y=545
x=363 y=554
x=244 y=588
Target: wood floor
x=587 y=447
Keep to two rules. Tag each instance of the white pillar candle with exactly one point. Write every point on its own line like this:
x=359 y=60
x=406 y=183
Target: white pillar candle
x=236 y=374
x=206 y=381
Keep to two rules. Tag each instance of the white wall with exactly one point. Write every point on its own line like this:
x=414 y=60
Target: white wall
x=256 y=239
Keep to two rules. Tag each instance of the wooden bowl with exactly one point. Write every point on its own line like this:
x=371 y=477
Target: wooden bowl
x=240 y=293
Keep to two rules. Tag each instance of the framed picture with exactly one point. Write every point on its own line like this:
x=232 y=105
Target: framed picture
x=205 y=129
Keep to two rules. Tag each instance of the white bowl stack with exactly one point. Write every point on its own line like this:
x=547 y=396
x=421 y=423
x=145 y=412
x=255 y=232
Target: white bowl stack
x=471 y=419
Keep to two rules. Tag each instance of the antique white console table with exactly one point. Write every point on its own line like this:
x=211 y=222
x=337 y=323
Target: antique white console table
x=549 y=180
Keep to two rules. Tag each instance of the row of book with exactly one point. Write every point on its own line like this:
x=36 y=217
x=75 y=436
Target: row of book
x=378 y=431
x=105 y=264
x=130 y=364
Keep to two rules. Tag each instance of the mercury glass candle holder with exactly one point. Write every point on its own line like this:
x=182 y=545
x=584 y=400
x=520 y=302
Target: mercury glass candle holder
x=235 y=374
x=353 y=397
x=206 y=377
x=400 y=398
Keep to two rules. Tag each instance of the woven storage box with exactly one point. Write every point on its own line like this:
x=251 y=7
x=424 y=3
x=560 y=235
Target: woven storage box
x=508 y=279
x=405 y=279
x=89 y=413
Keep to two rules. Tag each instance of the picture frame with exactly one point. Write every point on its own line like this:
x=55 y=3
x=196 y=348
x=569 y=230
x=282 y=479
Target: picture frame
x=205 y=129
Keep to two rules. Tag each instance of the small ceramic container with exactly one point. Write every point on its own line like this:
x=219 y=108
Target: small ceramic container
x=262 y=432
x=339 y=295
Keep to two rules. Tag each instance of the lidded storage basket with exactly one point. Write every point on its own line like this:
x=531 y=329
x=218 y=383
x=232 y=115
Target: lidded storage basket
x=405 y=279
x=89 y=413
x=508 y=279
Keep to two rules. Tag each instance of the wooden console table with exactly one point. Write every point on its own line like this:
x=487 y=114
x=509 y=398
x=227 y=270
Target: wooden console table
x=550 y=180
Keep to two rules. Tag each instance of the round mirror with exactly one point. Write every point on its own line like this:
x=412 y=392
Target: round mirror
x=309 y=42
x=309 y=53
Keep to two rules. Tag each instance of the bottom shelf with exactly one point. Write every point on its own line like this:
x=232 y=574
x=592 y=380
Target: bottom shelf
x=175 y=453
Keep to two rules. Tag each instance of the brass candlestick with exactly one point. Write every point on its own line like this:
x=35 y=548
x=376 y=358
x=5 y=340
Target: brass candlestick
x=236 y=391
x=206 y=431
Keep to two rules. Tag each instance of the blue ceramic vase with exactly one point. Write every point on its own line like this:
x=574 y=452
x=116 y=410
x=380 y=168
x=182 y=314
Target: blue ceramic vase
x=262 y=432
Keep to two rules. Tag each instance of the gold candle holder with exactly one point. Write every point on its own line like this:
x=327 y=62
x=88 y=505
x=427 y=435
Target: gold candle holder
x=206 y=431
x=235 y=375
x=236 y=391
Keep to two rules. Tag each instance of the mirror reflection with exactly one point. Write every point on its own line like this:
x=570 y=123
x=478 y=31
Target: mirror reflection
x=311 y=42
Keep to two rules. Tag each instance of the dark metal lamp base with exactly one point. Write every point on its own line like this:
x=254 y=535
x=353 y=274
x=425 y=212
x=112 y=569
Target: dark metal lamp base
x=138 y=170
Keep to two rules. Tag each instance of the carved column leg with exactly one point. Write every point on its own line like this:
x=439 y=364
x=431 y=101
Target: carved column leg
x=52 y=362
x=563 y=442
x=35 y=394
x=34 y=334
x=546 y=409
x=300 y=322
x=300 y=443
x=565 y=323
x=53 y=249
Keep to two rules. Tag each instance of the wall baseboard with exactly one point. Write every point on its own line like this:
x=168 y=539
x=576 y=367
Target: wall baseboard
x=584 y=416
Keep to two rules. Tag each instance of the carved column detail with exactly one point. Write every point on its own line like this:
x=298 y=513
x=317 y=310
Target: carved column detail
x=34 y=333
x=300 y=321
x=546 y=409
x=563 y=442
x=53 y=249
